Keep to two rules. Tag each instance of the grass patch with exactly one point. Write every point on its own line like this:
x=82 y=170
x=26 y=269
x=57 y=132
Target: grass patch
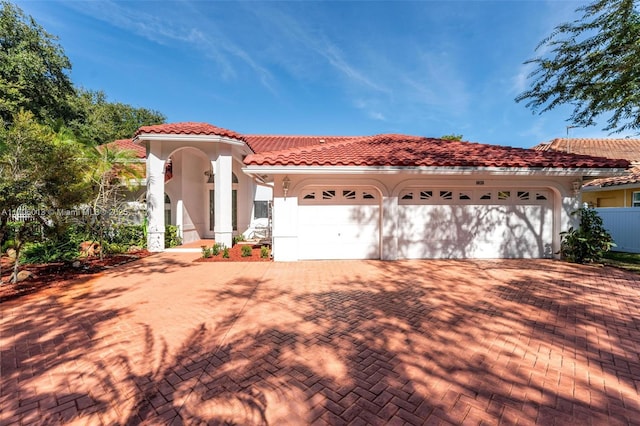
x=628 y=261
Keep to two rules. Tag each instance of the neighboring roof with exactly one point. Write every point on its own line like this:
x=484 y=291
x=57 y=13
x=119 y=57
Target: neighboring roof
x=628 y=149
x=413 y=151
x=265 y=143
x=188 y=128
x=631 y=178
x=129 y=145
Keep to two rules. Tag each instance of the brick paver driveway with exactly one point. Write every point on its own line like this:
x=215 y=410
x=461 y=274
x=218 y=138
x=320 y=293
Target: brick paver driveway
x=166 y=340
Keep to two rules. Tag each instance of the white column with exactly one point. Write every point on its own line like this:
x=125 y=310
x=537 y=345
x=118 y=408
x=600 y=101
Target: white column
x=155 y=197
x=179 y=217
x=223 y=186
x=389 y=228
x=284 y=224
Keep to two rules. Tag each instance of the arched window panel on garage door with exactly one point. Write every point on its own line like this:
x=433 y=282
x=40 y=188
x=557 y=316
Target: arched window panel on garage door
x=451 y=196
x=345 y=195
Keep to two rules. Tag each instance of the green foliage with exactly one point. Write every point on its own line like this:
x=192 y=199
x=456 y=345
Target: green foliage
x=33 y=69
x=206 y=252
x=225 y=252
x=40 y=172
x=246 y=251
x=126 y=235
x=587 y=243
x=212 y=251
x=64 y=247
x=238 y=238
x=171 y=237
x=98 y=121
x=451 y=137
x=591 y=64
x=264 y=252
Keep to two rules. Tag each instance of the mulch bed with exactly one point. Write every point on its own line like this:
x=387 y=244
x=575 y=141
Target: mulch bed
x=235 y=255
x=59 y=274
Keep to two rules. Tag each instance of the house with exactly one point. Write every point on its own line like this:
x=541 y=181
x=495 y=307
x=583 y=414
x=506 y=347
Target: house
x=617 y=191
x=363 y=197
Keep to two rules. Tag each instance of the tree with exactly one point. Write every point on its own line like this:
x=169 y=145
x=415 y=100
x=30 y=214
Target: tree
x=98 y=121
x=451 y=137
x=593 y=64
x=41 y=173
x=113 y=173
x=33 y=69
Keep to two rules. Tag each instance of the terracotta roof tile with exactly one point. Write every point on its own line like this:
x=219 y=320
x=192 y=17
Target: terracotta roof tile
x=129 y=145
x=628 y=149
x=265 y=143
x=413 y=151
x=188 y=128
x=631 y=178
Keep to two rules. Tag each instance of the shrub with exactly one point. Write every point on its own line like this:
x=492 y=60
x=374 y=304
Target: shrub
x=238 y=238
x=215 y=249
x=115 y=248
x=171 y=237
x=225 y=252
x=206 y=252
x=264 y=252
x=246 y=251
x=589 y=241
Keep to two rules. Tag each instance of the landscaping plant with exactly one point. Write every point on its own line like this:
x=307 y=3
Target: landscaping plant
x=245 y=251
x=589 y=241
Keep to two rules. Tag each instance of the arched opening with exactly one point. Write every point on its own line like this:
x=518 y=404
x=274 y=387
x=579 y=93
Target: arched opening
x=167 y=209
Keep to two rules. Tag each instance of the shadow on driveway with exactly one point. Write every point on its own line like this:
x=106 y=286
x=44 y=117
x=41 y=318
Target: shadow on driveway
x=337 y=342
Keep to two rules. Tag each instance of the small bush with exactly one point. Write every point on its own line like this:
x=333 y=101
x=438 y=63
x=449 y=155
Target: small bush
x=589 y=241
x=225 y=252
x=246 y=251
x=215 y=249
x=264 y=252
x=238 y=238
x=171 y=237
x=206 y=252
x=115 y=248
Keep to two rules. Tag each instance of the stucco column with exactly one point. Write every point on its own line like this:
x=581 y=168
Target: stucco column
x=284 y=223
x=223 y=227
x=155 y=197
x=389 y=228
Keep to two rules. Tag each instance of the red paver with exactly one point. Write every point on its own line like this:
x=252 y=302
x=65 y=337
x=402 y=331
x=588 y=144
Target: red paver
x=165 y=340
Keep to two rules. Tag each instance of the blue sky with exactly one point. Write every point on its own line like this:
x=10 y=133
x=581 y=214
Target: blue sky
x=425 y=68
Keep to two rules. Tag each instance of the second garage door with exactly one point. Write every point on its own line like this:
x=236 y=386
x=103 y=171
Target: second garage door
x=472 y=223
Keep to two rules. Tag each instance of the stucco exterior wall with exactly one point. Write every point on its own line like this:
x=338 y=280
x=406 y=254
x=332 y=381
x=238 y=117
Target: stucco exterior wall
x=610 y=198
x=286 y=246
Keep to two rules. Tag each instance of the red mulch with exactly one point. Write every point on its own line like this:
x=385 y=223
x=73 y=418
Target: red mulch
x=235 y=255
x=59 y=274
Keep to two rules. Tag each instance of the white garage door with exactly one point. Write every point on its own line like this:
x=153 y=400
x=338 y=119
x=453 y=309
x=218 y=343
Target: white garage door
x=339 y=223
x=481 y=224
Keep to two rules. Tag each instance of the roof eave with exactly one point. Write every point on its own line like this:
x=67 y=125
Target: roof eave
x=497 y=171
x=173 y=137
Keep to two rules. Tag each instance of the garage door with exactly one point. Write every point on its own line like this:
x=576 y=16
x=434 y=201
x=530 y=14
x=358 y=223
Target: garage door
x=339 y=223
x=487 y=223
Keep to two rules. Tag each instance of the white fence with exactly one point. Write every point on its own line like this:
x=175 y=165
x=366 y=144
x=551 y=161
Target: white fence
x=624 y=226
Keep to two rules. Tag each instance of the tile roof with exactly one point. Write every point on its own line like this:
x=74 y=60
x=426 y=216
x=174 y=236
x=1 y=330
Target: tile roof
x=628 y=149
x=411 y=151
x=631 y=178
x=264 y=143
x=188 y=128
x=129 y=145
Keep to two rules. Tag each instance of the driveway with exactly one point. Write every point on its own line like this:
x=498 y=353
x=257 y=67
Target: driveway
x=168 y=341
